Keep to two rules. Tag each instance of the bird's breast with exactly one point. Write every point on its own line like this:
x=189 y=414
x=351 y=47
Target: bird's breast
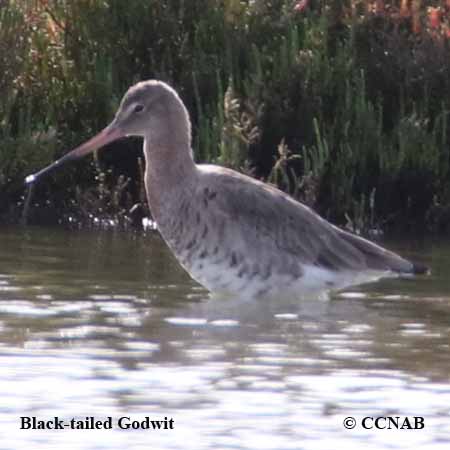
x=220 y=256
x=214 y=253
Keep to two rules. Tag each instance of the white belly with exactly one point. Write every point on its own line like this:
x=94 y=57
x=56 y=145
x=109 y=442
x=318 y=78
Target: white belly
x=220 y=279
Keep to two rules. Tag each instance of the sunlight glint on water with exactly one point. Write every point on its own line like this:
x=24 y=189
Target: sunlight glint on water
x=108 y=324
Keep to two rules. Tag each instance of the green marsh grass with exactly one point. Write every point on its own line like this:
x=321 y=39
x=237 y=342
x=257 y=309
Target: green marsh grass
x=346 y=109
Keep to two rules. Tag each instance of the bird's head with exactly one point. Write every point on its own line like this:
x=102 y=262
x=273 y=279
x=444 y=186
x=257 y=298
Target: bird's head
x=144 y=111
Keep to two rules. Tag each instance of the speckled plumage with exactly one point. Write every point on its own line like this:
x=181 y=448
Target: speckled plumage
x=232 y=233
x=236 y=235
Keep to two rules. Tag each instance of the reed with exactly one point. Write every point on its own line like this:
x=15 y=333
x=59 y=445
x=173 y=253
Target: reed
x=343 y=104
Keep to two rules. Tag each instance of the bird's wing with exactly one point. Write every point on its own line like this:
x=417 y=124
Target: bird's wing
x=264 y=216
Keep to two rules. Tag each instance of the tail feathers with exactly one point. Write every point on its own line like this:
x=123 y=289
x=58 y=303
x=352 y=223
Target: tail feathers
x=420 y=269
x=378 y=258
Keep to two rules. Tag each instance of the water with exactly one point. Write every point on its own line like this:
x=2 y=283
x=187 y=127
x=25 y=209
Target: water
x=108 y=325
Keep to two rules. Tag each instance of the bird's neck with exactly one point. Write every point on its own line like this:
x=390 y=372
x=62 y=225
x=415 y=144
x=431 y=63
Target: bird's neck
x=170 y=174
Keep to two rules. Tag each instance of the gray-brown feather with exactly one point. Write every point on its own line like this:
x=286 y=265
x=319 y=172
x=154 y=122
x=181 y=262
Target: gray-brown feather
x=272 y=223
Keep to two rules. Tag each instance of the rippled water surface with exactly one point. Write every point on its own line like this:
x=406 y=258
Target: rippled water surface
x=108 y=325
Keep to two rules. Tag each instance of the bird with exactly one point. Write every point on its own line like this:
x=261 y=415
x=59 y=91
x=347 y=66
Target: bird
x=235 y=235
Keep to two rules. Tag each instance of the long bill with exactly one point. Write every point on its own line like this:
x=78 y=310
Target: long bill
x=107 y=135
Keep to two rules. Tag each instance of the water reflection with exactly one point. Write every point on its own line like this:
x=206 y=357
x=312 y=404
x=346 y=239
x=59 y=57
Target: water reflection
x=108 y=324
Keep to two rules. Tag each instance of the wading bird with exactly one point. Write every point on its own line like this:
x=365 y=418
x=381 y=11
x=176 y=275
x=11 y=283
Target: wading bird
x=233 y=234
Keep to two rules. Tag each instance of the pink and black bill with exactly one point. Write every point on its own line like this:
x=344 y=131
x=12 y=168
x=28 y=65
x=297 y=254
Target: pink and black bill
x=107 y=135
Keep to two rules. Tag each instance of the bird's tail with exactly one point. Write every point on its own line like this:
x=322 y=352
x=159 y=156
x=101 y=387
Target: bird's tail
x=378 y=258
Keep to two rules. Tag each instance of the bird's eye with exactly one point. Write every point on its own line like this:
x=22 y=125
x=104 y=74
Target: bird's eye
x=138 y=108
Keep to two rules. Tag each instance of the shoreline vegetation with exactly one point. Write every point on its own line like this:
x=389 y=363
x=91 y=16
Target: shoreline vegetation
x=343 y=104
